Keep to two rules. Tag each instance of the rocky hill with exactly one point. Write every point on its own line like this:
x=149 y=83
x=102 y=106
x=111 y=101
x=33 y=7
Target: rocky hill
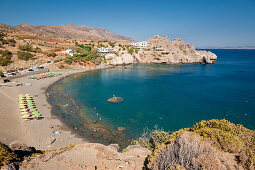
x=70 y=31
x=162 y=50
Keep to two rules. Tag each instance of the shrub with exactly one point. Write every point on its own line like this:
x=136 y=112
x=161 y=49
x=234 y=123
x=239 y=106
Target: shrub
x=12 y=42
x=50 y=53
x=24 y=55
x=221 y=134
x=6 y=155
x=1 y=73
x=29 y=48
x=112 y=44
x=68 y=60
x=5 y=57
x=26 y=47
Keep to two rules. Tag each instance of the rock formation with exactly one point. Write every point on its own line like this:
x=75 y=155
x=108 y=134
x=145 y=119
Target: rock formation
x=162 y=50
x=90 y=156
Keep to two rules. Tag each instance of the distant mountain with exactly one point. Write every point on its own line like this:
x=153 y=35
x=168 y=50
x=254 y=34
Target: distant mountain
x=70 y=31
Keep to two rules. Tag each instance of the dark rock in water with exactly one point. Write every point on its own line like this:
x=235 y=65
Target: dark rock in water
x=121 y=128
x=115 y=99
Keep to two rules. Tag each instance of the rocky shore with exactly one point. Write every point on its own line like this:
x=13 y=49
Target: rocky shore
x=160 y=50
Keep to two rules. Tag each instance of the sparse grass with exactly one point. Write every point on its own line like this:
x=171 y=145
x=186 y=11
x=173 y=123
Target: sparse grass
x=6 y=155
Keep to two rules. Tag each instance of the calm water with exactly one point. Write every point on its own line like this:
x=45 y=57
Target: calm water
x=170 y=96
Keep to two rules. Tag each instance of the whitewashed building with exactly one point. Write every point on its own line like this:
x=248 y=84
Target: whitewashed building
x=141 y=44
x=70 y=52
x=105 y=50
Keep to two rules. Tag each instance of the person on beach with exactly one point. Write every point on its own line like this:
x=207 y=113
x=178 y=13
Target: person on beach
x=114 y=98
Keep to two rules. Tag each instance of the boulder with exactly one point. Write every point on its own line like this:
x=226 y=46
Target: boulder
x=8 y=167
x=19 y=146
x=116 y=147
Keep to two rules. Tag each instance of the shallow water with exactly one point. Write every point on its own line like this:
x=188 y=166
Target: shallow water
x=170 y=96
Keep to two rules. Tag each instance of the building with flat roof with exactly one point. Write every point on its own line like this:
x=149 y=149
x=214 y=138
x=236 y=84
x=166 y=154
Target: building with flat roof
x=141 y=44
x=70 y=52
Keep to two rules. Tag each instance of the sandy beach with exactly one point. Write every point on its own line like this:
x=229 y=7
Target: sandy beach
x=36 y=133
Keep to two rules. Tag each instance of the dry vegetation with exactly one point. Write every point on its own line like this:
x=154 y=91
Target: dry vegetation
x=219 y=137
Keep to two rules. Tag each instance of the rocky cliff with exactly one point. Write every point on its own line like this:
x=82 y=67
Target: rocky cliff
x=162 y=50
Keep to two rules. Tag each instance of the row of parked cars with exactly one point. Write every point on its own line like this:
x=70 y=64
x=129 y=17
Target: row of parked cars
x=10 y=73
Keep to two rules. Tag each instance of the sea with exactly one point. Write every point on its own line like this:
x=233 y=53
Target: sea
x=157 y=96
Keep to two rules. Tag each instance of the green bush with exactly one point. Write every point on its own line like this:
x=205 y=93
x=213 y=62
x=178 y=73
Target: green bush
x=112 y=44
x=26 y=47
x=12 y=42
x=30 y=48
x=6 y=155
x=1 y=73
x=24 y=55
x=5 y=57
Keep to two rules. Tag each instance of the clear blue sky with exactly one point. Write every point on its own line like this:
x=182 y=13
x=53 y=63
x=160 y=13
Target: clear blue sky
x=203 y=22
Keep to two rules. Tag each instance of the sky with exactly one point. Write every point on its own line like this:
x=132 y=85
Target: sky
x=205 y=23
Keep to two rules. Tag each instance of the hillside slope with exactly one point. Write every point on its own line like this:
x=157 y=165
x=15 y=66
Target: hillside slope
x=70 y=31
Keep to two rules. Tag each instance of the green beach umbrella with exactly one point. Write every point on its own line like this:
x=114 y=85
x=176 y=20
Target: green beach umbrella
x=37 y=115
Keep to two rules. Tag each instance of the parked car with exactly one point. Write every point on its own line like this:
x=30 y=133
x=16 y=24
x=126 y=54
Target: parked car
x=30 y=70
x=48 y=61
x=20 y=69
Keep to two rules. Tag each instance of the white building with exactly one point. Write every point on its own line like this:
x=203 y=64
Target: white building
x=70 y=52
x=141 y=44
x=105 y=50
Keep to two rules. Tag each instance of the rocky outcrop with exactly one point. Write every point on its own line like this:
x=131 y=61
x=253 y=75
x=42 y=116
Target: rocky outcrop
x=89 y=156
x=162 y=50
x=113 y=59
x=190 y=152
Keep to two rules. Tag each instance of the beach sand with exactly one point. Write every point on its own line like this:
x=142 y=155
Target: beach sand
x=36 y=133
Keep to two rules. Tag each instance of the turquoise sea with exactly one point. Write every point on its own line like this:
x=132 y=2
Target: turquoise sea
x=169 y=96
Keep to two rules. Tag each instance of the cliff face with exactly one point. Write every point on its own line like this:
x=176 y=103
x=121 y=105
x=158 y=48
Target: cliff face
x=162 y=50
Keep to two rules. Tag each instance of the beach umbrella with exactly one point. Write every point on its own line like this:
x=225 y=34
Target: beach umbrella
x=35 y=112
x=26 y=117
x=37 y=115
x=24 y=113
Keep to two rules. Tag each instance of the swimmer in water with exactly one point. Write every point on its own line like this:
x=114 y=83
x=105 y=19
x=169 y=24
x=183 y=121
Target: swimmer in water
x=100 y=118
x=97 y=114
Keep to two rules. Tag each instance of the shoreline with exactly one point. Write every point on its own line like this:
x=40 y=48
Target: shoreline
x=36 y=133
